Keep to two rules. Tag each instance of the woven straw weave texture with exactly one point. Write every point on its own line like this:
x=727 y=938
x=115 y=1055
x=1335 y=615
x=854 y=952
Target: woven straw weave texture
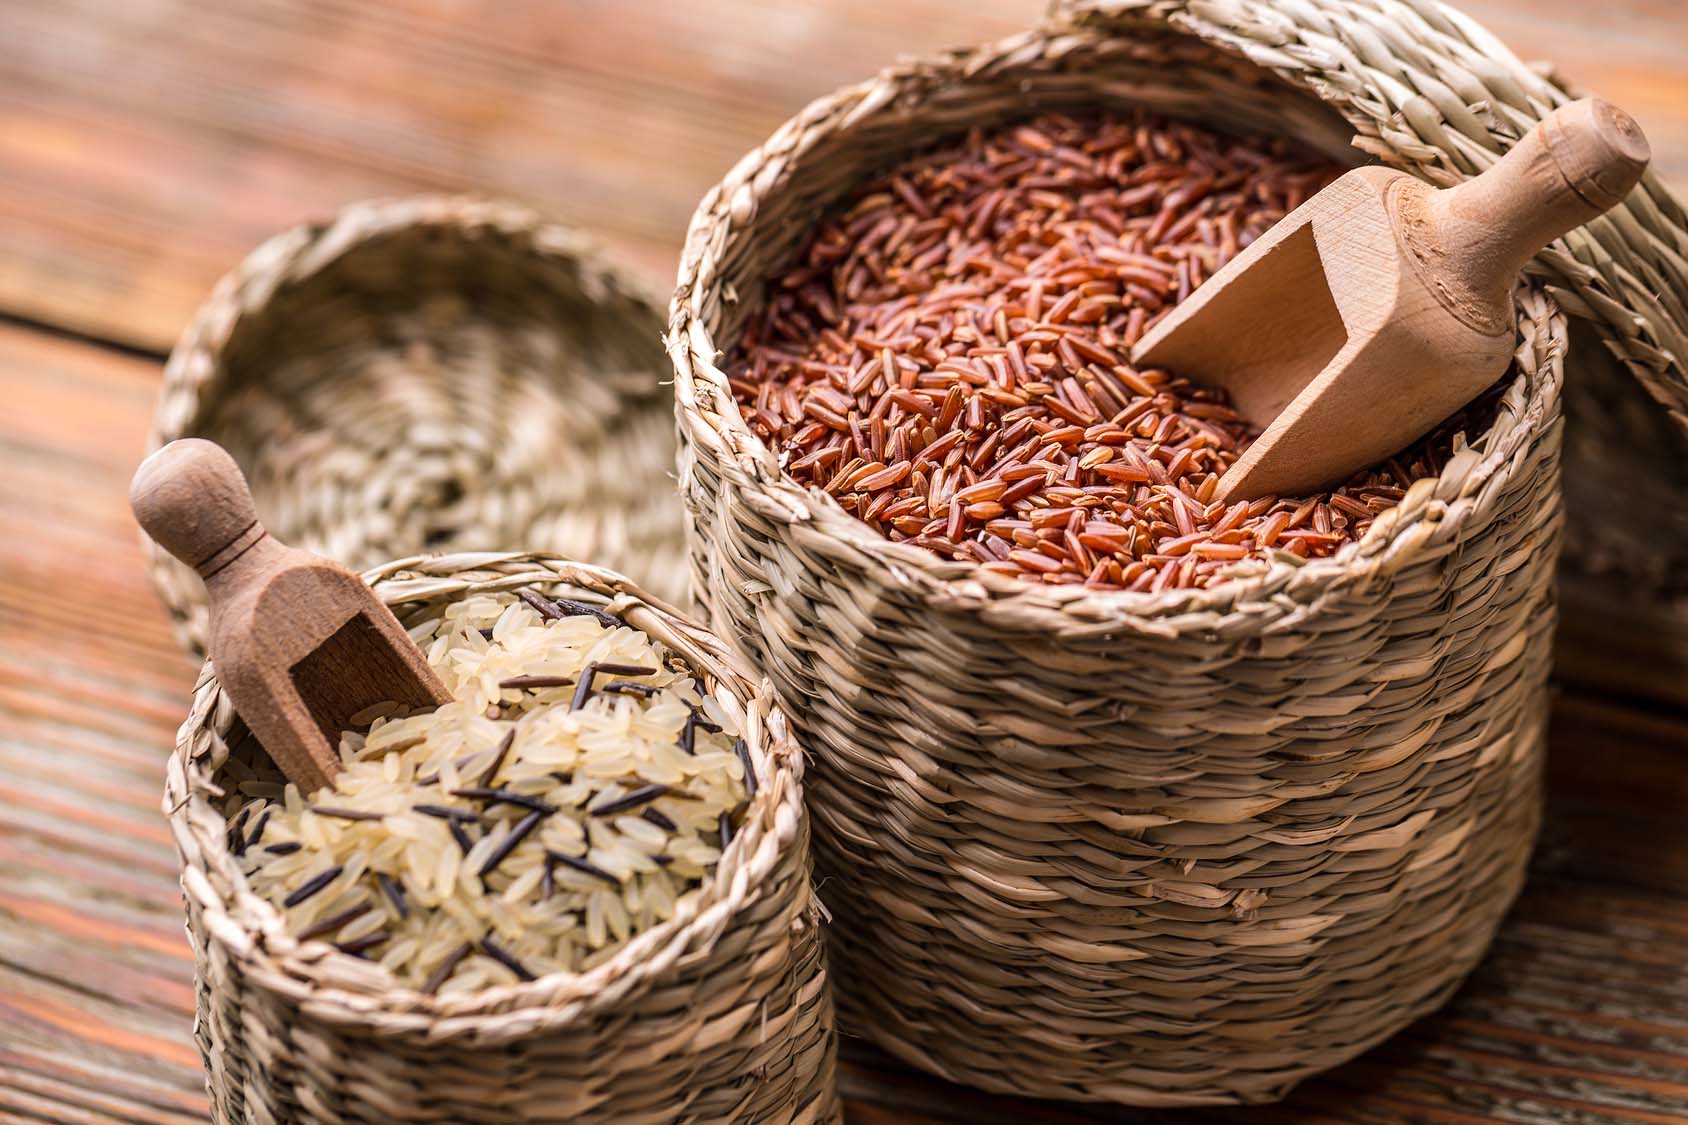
x=721 y=1014
x=1426 y=88
x=433 y=374
x=1156 y=849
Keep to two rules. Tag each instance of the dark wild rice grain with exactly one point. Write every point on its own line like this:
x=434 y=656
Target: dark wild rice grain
x=624 y=669
x=334 y=921
x=525 y=682
x=363 y=944
x=553 y=609
x=572 y=608
x=446 y=812
x=640 y=796
x=516 y=836
x=491 y=771
x=257 y=832
x=458 y=834
x=446 y=967
x=312 y=885
x=629 y=687
x=506 y=797
x=584 y=691
x=504 y=957
x=394 y=890
x=742 y=749
x=541 y=605
x=237 y=831
x=583 y=866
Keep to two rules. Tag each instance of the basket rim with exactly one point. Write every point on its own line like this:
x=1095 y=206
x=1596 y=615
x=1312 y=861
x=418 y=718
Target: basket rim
x=278 y=963
x=718 y=228
x=300 y=252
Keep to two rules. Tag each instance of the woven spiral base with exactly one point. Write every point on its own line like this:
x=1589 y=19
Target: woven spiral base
x=1156 y=849
x=433 y=375
x=721 y=1014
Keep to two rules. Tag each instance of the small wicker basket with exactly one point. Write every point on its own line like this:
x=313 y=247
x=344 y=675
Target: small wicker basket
x=433 y=374
x=721 y=1014
x=1179 y=848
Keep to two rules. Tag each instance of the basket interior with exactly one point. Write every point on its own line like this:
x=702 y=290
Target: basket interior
x=443 y=386
x=233 y=766
x=1201 y=85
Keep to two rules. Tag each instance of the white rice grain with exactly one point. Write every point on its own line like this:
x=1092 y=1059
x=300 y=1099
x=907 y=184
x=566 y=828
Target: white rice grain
x=586 y=874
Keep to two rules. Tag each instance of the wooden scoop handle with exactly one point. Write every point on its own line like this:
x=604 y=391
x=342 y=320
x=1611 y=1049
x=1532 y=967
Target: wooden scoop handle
x=191 y=498
x=301 y=645
x=1576 y=164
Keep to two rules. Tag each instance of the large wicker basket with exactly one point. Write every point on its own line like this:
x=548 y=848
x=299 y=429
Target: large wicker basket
x=1157 y=849
x=433 y=374
x=721 y=1014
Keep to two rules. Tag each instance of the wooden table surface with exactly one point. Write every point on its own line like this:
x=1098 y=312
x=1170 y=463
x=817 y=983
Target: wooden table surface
x=144 y=147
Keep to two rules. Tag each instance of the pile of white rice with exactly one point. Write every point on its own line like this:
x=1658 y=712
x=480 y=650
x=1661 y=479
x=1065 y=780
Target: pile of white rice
x=622 y=798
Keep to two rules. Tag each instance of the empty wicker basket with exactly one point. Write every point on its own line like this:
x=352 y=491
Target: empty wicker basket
x=433 y=375
x=720 y=1014
x=1169 y=848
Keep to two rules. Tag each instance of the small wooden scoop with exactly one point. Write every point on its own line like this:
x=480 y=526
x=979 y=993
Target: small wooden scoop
x=1381 y=305
x=299 y=643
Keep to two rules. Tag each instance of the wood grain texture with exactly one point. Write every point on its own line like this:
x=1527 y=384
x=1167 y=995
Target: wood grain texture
x=146 y=147
x=1577 y=1015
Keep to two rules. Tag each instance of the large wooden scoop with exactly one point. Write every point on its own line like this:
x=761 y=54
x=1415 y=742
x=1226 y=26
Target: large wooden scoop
x=1382 y=305
x=299 y=643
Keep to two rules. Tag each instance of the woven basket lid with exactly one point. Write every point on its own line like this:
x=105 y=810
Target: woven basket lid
x=1429 y=90
x=434 y=374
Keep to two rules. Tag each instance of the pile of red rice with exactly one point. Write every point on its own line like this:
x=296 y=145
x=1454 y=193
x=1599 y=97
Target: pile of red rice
x=949 y=358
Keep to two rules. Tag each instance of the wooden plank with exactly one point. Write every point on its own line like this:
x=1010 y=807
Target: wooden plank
x=1651 y=662
x=1633 y=52
x=144 y=148
x=96 y=993
x=1577 y=1014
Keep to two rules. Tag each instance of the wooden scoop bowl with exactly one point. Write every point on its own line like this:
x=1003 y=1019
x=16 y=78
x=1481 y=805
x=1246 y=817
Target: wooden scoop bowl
x=299 y=643
x=1382 y=305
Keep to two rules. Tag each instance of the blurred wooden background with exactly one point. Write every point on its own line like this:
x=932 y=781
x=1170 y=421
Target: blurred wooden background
x=147 y=145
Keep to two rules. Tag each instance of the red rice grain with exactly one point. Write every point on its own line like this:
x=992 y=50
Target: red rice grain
x=949 y=358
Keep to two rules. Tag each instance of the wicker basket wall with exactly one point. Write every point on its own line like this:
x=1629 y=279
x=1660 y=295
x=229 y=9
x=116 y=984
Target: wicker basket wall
x=433 y=374
x=1156 y=849
x=721 y=1014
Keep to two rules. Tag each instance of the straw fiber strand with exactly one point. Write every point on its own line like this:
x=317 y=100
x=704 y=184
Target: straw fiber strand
x=433 y=374
x=1161 y=849
x=723 y=1013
